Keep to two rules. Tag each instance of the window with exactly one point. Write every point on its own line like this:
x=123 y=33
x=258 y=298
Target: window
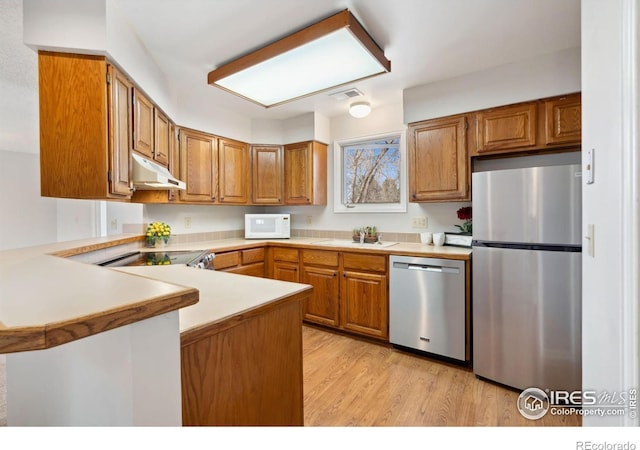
x=370 y=174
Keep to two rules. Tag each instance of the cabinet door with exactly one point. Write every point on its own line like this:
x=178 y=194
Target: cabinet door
x=322 y=306
x=198 y=166
x=267 y=174
x=305 y=173
x=142 y=124
x=161 y=142
x=120 y=91
x=286 y=271
x=438 y=160
x=363 y=304
x=506 y=128
x=563 y=124
x=233 y=172
x=298 y=174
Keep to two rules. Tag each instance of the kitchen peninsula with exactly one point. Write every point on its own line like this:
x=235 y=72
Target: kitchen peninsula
x=89 y=345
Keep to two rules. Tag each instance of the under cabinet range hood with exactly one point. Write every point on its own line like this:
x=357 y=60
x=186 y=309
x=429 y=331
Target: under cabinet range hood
x=148 y=175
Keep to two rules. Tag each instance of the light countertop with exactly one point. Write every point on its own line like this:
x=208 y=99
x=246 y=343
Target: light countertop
x=222 y=295
x=47 y=300
x=397 y=248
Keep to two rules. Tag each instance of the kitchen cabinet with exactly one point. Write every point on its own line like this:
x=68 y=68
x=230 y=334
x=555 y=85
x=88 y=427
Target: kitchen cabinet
x=150 y=129
x=350 y=291
x=143 y=117
x=563 y=120
x=161 y=137
x=438 y=160
x=364 y=301
x=320 y=269
x=507 y=127
x=84 y=155
x=284 y=264
x=543 y=125
x=214 y=169
x=198 y=166
x=267 y=172
x=305 y=173
x=233 y=172
x=246 y=262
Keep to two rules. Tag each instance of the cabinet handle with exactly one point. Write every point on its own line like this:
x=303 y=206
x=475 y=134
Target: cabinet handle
x=221 y=199
x=413 y=195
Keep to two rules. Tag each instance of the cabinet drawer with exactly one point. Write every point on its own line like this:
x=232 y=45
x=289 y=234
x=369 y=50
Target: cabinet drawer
x=285 y=254
x=360 y=261
x=227 y=259
x=254 y=270
x=320 y=257
x=252 y=255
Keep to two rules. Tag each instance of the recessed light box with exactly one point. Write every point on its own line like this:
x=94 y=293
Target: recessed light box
x=329 y=53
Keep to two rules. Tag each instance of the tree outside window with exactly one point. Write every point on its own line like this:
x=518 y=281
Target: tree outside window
x=372 y=174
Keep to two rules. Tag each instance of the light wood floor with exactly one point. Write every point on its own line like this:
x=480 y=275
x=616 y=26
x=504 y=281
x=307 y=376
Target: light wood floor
x=351 y=382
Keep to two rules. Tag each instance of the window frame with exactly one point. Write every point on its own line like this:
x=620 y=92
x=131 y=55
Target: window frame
x=338 y=177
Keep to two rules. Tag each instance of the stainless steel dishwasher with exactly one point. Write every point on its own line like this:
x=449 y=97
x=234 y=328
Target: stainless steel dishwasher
x=427 y=305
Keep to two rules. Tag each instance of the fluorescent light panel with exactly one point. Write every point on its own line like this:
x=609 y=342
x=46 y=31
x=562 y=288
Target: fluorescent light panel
x=335 y=56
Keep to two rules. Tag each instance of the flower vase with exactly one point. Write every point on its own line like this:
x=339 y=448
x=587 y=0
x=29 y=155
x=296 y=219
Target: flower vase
x=160 y=244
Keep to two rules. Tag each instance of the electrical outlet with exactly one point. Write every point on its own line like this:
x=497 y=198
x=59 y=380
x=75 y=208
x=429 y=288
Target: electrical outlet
x=114 y=224
x=309 y=220
x=419 y=222
x=187 y=222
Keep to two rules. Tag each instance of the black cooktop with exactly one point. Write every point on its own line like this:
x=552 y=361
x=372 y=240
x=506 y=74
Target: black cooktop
x=161 y=258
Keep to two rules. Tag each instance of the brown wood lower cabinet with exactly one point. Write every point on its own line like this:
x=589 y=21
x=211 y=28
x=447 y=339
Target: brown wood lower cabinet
x=350 y=291
x=284 y=264
x=249 y=261
x=246 y=370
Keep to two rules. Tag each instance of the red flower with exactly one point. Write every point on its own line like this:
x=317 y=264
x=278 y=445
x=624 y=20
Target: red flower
x=464 y=213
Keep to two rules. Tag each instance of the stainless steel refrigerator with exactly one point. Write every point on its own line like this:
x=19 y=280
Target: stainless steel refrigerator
x=527 y=272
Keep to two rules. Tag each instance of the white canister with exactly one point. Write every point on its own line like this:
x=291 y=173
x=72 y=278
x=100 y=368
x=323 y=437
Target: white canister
x=426 y=237
x=438 y=239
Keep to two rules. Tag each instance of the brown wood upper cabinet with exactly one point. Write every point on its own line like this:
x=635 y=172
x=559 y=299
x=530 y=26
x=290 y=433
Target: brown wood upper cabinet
x=438 y=169
x=150 y=129
x=542 y=125
x=198 y=166
x=162 y=137
x=305 y=173
x=267 y=173
x=233 y=171
x=83 y=155
x=142 y=124
x=507 y=127
x=563 y=120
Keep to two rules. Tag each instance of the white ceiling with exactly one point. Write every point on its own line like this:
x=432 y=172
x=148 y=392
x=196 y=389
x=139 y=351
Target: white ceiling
x=425 y=40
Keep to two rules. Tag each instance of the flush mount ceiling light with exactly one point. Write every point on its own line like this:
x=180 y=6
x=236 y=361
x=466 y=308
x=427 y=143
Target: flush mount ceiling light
x=329 y=53
x=360 y=109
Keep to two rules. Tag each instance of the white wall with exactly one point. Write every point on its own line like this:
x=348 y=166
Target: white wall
x=610 y=277
x=203 y=218
x=26 y=219
x=543 y=76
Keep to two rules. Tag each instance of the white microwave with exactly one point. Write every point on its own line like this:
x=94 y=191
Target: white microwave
x=267 y=226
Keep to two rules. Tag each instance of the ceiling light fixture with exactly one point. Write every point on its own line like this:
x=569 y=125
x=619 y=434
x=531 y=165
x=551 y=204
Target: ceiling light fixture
x=329 y=53
x=360 y=109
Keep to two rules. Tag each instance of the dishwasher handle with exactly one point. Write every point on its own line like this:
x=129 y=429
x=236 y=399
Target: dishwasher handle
x=425 y=267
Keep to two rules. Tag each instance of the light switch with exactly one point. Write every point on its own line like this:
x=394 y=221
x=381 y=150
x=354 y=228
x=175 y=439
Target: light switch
x=588 y=166
x=590 y=240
